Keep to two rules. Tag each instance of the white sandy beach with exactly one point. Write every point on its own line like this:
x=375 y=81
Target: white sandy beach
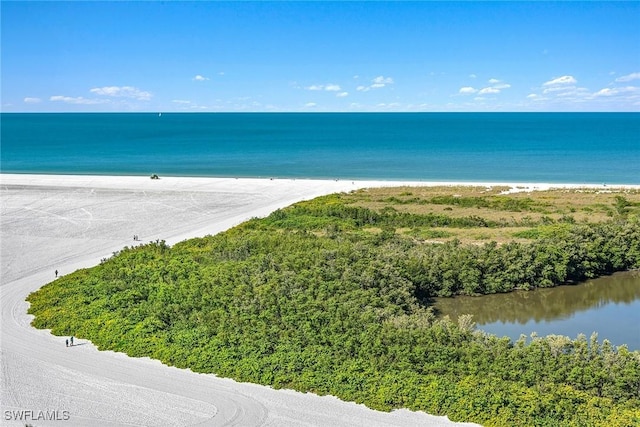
x=65 y=223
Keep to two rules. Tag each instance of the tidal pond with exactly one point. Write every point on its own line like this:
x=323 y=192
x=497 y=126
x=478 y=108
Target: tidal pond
x=608 y=305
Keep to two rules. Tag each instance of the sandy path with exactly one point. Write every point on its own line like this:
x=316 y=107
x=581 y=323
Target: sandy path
x=71 y=222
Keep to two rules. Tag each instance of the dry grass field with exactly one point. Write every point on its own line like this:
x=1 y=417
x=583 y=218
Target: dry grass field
x=512 y=212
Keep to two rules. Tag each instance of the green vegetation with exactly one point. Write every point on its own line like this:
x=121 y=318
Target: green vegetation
x=332 y=296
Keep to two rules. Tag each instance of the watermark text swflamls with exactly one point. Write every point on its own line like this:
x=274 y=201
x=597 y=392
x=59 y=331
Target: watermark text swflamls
x=31 y=415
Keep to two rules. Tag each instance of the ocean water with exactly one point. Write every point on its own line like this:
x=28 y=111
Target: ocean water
x=591 y=148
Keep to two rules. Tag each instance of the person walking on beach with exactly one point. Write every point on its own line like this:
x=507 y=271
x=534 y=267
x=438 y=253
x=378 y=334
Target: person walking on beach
x=56 y=273
x=71 y=339
x=67 y=342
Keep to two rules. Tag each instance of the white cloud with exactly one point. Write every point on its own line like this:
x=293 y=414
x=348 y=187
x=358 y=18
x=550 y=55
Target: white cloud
x=558 y=89
x=617 y=91
x=199 y=78
x=31 y=100
x=606 y=92
x=628 y=77
x=310 y=104
x=498 y=84
x=122 y=92
x=331 y=87
x=376 y=83
x=76 y=100
x=559 y=81
x=383 y=80
x=473 y=76
x=488 y=90
x=181 y=101
x=496 y=87
x=342 y=94
x=562 y=86
x=572 y=92
x=388 y=106
x=533 y=96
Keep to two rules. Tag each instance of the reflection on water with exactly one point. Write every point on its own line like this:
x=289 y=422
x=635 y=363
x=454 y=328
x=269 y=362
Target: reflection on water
x=608 y=305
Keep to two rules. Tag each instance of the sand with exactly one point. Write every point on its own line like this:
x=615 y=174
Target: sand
x=64 y=223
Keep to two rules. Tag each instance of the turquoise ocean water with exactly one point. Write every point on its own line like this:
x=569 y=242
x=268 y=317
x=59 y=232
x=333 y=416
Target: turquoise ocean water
x=505 y=147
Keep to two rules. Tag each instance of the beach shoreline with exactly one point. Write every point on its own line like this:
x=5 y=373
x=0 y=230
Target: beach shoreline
x=68 y=222
x=199 y=182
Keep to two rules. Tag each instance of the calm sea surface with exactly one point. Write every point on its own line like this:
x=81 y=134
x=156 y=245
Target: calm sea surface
x=508 y=147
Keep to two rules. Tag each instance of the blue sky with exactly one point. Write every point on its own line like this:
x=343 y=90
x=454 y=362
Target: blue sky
x=320 y=56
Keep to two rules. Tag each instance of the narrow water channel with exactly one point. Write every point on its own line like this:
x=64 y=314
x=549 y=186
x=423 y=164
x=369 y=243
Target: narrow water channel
x=608 y=305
